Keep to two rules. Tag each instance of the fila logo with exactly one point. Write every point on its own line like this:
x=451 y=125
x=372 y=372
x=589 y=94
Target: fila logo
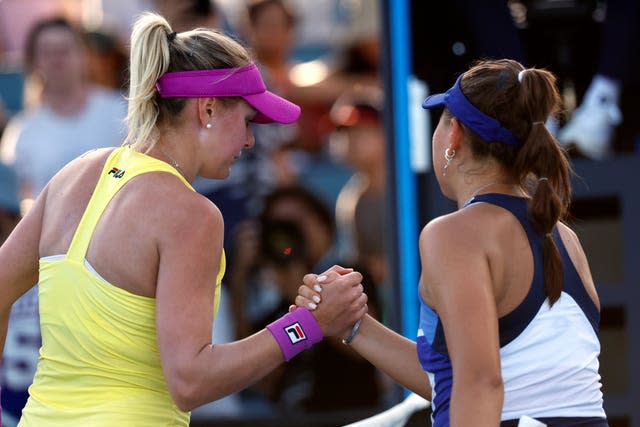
x=295 y=333
x=117 y=173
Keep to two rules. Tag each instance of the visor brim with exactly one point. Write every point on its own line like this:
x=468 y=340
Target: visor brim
x=272 y=108
x=434 y=101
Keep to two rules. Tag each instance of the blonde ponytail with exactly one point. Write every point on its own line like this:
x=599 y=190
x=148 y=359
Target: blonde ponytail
x=150 y=59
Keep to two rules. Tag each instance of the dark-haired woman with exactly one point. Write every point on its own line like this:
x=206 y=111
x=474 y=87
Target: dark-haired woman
x=508 y=308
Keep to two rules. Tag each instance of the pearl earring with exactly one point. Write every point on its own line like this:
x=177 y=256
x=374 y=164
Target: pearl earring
x=208 y=126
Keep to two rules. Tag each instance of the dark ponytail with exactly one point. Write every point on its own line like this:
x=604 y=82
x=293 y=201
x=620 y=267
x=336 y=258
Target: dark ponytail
x=523 y=100
x=542 y=159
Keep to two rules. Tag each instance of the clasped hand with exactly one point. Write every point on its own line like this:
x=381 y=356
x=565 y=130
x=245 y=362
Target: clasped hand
x=336 y=298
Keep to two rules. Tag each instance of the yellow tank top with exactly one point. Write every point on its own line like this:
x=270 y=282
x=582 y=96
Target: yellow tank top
x=99 y=361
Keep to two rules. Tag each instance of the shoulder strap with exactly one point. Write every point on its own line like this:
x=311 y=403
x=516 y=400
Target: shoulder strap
x=512 y=324
x=516 y=205
x=122 y=165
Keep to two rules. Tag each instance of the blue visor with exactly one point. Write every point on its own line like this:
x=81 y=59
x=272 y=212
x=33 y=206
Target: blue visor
x=487 y=128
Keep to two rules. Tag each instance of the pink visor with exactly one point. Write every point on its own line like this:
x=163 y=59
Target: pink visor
x=245 y=82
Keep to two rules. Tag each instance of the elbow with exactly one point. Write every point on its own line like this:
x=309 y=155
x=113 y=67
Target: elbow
x=492 y=383
x=184 y=395
x=184 y=390
x=484 y=383
x=190 y=390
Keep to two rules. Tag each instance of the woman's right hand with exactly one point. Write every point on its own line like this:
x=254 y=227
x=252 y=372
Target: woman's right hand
x=339 y=298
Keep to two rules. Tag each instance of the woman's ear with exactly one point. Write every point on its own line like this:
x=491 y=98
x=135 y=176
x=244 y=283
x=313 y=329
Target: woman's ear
x=205 y=111
x=456 y=132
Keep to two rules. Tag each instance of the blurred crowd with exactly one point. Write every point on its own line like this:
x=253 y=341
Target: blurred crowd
x=308 y=196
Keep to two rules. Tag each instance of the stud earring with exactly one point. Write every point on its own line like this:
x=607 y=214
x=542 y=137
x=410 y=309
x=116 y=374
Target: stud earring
x=449 y=154
x=208 y=126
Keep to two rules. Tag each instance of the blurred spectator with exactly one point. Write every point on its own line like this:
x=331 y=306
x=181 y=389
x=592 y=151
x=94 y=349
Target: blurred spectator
x=316 y=86
x=18 y=16
x=311 y=216
x=106 y=60
x=359 y=141
x=185 y=15
x=23 y=334
x=116 y=17
x=293 y=236
x=593 y=124
x=589 y=45
x=270 y=27
x=71 y=115
x=356 y=61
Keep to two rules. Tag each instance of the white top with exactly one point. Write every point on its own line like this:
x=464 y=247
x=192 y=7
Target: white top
x=40 y=142
x=552 y=366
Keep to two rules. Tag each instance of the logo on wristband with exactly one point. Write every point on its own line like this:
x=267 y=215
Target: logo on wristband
x=295 y=333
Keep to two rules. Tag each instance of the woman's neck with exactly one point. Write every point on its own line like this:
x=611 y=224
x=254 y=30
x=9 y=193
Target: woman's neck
x=500 y=185
x=173 y=149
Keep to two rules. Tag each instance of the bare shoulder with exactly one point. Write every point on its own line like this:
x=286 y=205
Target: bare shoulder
x=460 y=244
x=462 y=227
x=84 y=169
x=448 y=242
x=569 y=237
x=175 y=211
x=572 y=244
x=579 y=259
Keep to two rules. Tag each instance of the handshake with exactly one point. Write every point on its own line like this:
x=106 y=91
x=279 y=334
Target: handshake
x=330 y=304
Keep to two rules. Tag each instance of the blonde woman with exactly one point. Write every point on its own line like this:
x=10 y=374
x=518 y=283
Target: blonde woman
x=129 y=258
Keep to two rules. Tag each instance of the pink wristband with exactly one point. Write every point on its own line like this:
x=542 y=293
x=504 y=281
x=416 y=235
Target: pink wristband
x=295 y=332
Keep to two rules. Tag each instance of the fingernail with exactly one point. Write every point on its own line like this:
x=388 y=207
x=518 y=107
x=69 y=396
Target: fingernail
x=321 y=279
x=312 y=306
x=316 y=298
x=317 y=288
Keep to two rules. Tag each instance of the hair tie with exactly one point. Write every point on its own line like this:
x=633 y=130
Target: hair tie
x=172 y=36
x=521 y=74
x=544 y=178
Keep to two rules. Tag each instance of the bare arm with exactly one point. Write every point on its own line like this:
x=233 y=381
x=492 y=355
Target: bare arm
x=198 y=371
x=393 y=354
x=389 y=351
x=19 y=260
x=457 y=274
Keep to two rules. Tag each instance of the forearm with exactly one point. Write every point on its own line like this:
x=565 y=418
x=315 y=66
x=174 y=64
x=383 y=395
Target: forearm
x=393 y=354
x=222 y=369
